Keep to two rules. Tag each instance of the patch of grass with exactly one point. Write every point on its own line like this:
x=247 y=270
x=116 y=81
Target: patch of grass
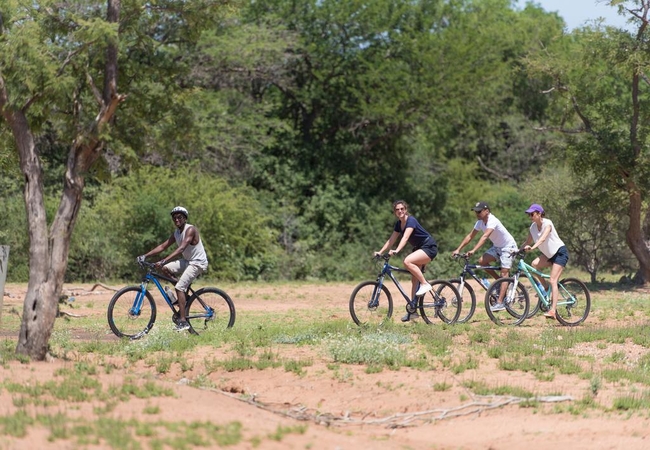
x=632 y=402
x=16 y=424
x=151 y=409
x=376 y=348
x=441 y=387
x=469 y=363
x=281 y=432
x=296 y=366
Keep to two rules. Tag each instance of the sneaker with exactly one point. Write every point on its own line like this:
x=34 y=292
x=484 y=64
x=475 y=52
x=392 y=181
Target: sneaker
x=182 y=326
x=497 y=307
x=426 y=287
x=410 y=316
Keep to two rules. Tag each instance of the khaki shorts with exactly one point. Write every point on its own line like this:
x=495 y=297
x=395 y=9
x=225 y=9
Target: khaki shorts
x=189 y=273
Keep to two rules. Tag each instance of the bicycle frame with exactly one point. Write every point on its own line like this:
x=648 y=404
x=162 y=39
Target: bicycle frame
x=544 y=296
x=388 y=269
x=155 y=277
x=468 y=269
x=528 y=271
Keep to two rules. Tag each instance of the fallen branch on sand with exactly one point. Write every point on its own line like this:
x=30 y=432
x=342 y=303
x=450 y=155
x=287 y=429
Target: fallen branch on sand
x=400 y=420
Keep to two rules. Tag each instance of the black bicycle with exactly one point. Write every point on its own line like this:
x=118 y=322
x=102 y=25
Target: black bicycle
x=465 y=290
x=132 y=310
x=372 y=303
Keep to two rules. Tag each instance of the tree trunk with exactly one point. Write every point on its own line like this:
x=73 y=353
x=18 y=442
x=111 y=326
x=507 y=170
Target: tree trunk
x=48 y=254
x=635 y=237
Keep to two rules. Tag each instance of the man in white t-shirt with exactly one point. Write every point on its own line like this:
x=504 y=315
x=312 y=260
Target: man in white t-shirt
x=503 y=244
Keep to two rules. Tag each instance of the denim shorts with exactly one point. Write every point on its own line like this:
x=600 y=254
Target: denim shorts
x=561 y=257
x=502 y=255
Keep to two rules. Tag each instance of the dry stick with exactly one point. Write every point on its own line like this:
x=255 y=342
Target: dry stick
x=78 y=292
x=400 y=420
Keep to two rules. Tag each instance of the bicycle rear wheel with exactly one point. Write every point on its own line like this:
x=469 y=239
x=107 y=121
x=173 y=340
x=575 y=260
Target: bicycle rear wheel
x=370 y=305
x=574 y=302
x=515 y=302
x=443 y=300
x=467 y=298
x=210 y=308
x=131 y=312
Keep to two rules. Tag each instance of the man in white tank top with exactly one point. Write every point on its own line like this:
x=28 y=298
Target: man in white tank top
x=193 y=263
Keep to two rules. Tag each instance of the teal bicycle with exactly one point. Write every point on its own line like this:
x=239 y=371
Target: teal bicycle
x=574 y=300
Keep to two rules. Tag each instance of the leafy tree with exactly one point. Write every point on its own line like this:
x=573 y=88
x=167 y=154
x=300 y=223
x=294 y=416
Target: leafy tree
x=598 y=82
x=68 y=66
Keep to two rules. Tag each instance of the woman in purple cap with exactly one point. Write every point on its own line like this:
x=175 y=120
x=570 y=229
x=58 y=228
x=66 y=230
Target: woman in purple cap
x=554 y=253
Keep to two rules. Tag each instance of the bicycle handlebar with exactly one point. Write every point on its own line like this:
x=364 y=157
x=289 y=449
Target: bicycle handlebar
x=146 y=265
x=520 y=253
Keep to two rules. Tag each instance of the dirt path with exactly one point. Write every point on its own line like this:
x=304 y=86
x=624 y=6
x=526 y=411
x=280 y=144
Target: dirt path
x=342 y=407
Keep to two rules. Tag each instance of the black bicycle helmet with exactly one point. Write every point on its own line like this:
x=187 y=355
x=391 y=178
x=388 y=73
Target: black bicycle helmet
x=181 y=210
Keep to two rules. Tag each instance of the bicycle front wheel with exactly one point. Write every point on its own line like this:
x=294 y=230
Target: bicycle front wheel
x=506 y=305
x=370 y=305
x=574 y=302
x=443 y=300
x=131 y=312
x=210 y=308
x=467 y=298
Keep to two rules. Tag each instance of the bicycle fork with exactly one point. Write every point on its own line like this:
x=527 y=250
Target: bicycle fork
x=135 y=310
x=374 y=300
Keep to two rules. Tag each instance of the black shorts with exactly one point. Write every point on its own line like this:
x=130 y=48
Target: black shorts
x=430 y=247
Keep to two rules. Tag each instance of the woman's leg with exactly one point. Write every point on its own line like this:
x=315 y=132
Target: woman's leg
x=414 y=263
x=539 y=263
x=556 y=271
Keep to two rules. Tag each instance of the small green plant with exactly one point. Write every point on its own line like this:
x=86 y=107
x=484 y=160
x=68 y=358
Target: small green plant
x=595 y=384
x=296 y=366
x=470 y=363
x=441 y=387
x=281 y=431
x=151 y=409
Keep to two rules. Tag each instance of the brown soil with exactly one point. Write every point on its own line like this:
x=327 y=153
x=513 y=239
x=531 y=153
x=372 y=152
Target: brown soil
x=342 y=407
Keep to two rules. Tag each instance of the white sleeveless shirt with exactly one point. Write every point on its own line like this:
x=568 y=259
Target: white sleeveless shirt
x=552 y=244
x=194 y=254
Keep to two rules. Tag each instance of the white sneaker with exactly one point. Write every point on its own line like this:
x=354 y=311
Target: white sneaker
x=410 y=316
x=426 y=287
x=497 y=307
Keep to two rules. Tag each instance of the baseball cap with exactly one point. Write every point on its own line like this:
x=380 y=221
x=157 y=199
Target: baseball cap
x=480 y=206
x=535 y=208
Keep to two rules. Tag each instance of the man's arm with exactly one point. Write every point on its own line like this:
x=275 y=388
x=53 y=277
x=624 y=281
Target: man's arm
x=191 y=233
x=481 y=241
x=466 y=241
x=160 y=248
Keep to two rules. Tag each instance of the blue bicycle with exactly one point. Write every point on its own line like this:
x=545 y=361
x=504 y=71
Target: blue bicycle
x=132 y=310
x=372 y=303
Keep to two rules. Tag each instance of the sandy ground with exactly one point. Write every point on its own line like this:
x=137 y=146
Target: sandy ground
x=344 y=407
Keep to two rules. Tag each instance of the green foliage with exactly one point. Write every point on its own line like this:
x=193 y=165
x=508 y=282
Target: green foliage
x=135 y=212
x=295 y=124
